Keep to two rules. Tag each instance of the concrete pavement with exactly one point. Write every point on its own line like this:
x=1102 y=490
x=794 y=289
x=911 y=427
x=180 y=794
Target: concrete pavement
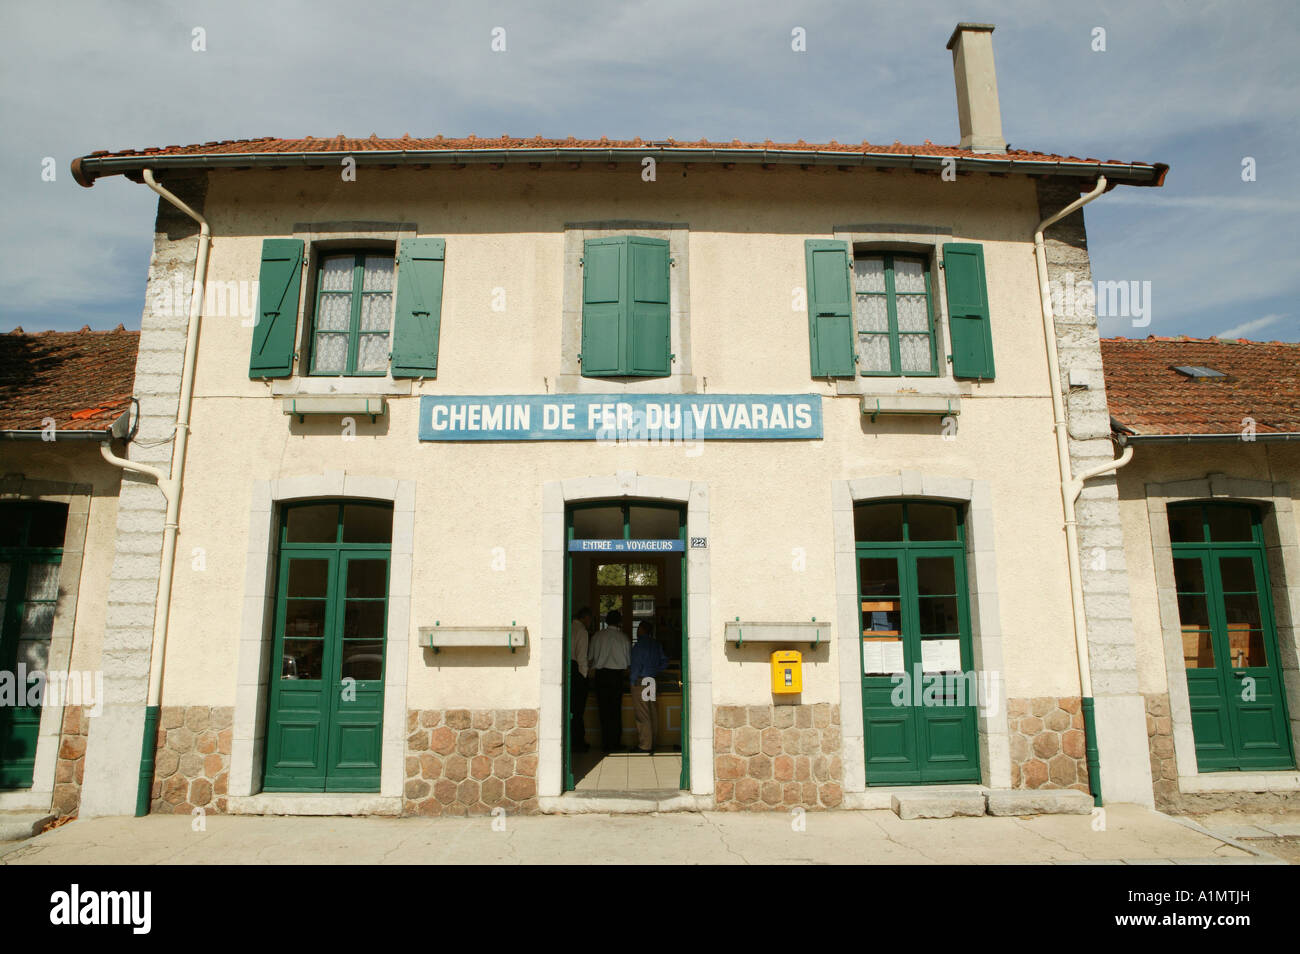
x=1132 y=835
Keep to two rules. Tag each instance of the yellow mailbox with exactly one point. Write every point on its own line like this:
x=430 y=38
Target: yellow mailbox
x=787 y=672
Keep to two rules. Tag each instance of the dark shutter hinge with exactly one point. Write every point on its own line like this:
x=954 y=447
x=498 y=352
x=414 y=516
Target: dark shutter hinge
x=581 y=262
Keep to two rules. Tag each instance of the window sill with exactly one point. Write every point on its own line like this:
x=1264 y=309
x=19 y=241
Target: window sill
x=914 y=405
x=669 y=384
x=360 y=386
x=900 y=387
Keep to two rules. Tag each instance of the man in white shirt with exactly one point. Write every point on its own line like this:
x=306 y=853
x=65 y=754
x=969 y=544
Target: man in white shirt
x=578 y=650
x=608 y=661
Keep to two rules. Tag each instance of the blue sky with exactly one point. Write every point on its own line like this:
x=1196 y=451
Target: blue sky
x=1197 y=85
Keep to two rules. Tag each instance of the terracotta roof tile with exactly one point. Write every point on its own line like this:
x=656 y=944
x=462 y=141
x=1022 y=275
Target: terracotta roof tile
x=82 y=379
x=1149 y=397
x=342 y=145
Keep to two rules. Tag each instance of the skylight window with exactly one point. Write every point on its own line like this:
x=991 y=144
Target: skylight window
x=1197 y=373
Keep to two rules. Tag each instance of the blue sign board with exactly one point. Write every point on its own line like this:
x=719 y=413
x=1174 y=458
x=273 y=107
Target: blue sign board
x=625 y=546
x=621 y=418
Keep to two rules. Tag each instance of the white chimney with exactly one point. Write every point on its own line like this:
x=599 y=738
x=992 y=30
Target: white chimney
x=977 y=88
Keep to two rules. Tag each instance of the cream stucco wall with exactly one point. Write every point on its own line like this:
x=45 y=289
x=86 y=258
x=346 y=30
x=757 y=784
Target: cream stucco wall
x=505 y=229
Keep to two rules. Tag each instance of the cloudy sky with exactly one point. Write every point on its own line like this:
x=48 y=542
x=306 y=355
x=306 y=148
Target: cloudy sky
x=1198 y=85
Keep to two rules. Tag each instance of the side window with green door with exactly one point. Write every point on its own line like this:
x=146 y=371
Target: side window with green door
x=367 y=318
x=626 y=325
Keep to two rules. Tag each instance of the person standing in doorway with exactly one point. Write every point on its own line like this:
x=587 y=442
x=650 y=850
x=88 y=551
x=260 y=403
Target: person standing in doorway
x=608 y=660
x=578 y=679
x=645 y=662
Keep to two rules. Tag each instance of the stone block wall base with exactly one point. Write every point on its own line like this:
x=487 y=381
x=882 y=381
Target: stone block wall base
x=313 y=803
x=1160 y=740
x=192 y=767
x=632 y=803
x=938 y=804
x=19 y=826
x=470 y=761
x=1048 y=745
x=1187 y=803
x=70 y=766
x=773 y=758
x=1164 y=775
x=1061 y=801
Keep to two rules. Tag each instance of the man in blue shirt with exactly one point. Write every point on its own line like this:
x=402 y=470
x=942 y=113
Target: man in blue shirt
x=648 y=659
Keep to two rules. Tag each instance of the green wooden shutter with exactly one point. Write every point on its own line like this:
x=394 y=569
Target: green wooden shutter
x=648 y=329
x=604 y=306
x=969 y=327
x=418 y=313
x=830 y=309
x=276 y=330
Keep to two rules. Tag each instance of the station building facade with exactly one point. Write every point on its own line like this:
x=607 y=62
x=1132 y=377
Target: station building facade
x=439 y=394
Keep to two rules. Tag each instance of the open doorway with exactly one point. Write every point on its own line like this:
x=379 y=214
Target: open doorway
x=626 y=565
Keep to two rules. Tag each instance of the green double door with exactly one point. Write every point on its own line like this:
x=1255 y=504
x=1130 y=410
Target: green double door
x=1234 y=683
x=31 y=550
x=919 y=707
x=325 y=713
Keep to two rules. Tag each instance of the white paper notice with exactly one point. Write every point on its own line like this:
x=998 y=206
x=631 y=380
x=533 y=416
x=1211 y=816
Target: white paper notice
x=880 y=657
x=941 y=655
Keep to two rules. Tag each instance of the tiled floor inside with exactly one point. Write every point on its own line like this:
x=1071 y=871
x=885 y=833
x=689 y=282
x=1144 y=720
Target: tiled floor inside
x=626 y=771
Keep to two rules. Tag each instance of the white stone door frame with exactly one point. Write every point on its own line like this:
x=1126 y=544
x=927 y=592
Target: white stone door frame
x=248 y=742
x=985 y=621
x=618 y=487
x=76 y=497
x=1282 y=552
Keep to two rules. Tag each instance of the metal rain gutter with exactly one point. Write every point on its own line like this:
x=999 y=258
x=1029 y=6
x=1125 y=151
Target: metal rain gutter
x=86 y=169
x=59 y=436
x=120 y=429
x=1231 y=438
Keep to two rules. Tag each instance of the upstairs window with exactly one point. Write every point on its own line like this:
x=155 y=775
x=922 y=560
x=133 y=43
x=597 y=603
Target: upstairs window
x=367 y=308
x=873 y=312
x=626 y=323
x=354 y=314
x=894 y=313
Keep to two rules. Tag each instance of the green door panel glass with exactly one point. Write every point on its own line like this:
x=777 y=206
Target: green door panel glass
x=915 y=622
x=325 y=718
x=1234 y=685
x=298 y=714
x=31 y=551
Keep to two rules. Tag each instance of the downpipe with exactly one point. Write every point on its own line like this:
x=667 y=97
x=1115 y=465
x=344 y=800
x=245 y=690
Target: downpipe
x=1072 y=487
x=170 y=484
